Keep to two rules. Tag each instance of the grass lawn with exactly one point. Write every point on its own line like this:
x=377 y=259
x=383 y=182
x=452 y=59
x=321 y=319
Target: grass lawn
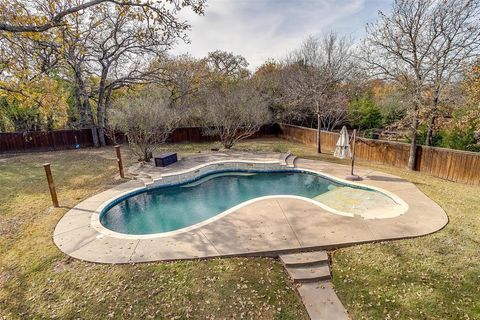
x=38 y=281
x=433 y=277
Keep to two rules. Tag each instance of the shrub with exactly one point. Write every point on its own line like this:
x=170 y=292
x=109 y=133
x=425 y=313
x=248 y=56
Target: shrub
x=473 y=147
x=146 y=118
x=364 y=113
x=234 y=112
x=457 y=138
x=280 y=147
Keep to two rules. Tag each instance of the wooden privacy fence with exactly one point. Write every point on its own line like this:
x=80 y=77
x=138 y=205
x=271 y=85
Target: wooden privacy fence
x=307 y=136
x=195 y=134
x=44 y=140
x=453 y=165
x=11 y=142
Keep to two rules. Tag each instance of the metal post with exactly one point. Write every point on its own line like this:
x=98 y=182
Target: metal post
x=319 y=135
x=353 y=149
x=119 y=160
x=51 y=186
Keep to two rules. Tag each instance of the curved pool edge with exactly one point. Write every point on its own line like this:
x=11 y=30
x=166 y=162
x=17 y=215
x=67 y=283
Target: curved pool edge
x=76 y=235
x=96 y=216
x=105 y=231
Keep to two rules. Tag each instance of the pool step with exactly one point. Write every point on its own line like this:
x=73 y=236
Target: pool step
x=307 y=266
x=147 y=180
x=283 y=158
x=291 y=161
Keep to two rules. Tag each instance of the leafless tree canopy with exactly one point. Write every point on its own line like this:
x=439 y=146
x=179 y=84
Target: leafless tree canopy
x=314 y=76
x=234 y=112
x=423 y=45
x=227 y=65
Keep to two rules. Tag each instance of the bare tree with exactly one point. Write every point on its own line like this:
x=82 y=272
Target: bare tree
x=147 y=118
x=119 y=40
x=416 y=45
x=74 y=55
x=314 y=72
x=184 y=77
x=457 y=23
x=234 y=112
x=335 y=111
x=226 y=65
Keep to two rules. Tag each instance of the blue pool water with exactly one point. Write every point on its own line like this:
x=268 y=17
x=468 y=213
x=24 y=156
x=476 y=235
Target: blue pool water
x=171 y=208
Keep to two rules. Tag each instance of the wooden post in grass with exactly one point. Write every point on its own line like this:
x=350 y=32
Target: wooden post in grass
x=119 y=160
x=51 y=186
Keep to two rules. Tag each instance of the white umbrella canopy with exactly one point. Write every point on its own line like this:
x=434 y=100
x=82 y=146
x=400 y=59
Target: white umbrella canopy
x=342 y=149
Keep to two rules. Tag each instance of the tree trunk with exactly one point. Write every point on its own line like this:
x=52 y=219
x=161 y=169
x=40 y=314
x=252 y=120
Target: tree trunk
x=101 y=108
x=83 y=115
x=101 y=135
x=88 y=108
x=49 y=123
x=79 y=106
x=108 y=103
x=80 y=95
x=101 y=122
x=412 y=159
x=37 y=122
x=431 y=124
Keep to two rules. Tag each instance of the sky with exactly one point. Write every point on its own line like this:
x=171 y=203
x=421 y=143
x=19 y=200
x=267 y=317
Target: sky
x=262 y=29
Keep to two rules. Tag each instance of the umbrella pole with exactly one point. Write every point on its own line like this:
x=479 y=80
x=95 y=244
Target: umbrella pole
x=353 y=149
x=353 y=176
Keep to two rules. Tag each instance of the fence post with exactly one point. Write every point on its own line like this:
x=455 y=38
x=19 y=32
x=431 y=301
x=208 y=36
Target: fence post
x=51 y=186
x=119 y=160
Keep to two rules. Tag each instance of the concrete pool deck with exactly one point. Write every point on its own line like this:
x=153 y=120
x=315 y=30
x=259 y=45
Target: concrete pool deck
x=263 y=228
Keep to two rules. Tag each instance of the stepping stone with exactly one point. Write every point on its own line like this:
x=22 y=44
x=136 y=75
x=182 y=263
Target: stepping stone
x=321 y=301
x=310 y=273
x=304 y=258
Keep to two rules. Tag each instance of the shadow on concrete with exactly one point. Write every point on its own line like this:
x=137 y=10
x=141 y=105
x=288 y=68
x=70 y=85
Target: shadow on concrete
x=383 y=178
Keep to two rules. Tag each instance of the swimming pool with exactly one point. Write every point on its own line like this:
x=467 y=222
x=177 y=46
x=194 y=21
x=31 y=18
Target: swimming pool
x=171 y=208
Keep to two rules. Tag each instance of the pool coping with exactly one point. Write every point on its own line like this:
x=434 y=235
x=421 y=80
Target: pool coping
x=97 y=225
x=78 y=235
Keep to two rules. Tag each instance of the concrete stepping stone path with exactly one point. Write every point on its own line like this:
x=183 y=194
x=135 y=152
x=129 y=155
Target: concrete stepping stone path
x=311 y=272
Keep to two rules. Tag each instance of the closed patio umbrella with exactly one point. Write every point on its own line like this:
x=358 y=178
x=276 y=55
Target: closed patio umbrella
x=342 y=149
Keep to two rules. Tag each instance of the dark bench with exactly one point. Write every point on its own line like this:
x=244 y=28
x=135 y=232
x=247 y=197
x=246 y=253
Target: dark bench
x=165 y=159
